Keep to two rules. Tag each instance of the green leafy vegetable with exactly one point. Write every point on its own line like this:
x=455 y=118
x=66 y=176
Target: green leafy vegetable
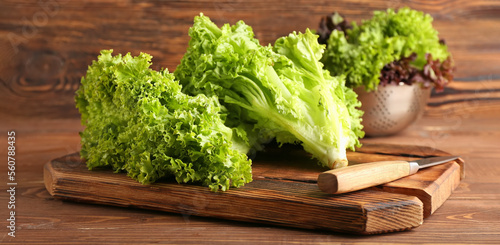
x=434 y=72
x=334 y=21
x=138 y=120
x=281 y=91
x=362 y=52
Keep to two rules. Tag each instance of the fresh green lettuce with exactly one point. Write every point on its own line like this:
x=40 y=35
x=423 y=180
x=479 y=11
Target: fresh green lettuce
x=138 y=120
x=279 y=91
x=360 y=53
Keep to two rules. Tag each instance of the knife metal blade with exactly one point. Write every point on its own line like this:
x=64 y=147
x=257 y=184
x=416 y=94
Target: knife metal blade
x=366 y=175
x=432 y=161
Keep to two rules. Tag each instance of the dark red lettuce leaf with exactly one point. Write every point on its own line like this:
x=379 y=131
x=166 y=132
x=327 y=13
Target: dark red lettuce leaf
x=434 y=72
x=333 y=21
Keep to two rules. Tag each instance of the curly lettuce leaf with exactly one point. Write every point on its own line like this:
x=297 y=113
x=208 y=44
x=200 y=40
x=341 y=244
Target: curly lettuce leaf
x=334 y=120
x=138 y=120
x=277 y=92
x=361 y=52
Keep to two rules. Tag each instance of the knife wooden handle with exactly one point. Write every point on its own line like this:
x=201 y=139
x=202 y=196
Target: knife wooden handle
x=364 y=175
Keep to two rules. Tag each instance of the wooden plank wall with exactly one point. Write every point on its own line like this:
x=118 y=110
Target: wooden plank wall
x=46 y=45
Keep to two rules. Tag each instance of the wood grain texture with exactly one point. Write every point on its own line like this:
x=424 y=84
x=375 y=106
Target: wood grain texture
x=466 y=97
x=46 y=46
x=469 y=216
x=286 y=199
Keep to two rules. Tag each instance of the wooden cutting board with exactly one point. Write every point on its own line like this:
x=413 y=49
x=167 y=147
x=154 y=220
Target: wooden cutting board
x=283 y=192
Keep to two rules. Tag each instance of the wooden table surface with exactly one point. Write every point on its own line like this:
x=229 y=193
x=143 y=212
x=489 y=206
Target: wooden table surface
x=45 y=47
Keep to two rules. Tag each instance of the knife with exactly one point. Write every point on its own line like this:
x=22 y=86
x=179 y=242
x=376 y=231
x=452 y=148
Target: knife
x=360 y=176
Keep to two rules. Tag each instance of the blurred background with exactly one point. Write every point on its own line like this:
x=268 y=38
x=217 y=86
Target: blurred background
x=47 y=45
